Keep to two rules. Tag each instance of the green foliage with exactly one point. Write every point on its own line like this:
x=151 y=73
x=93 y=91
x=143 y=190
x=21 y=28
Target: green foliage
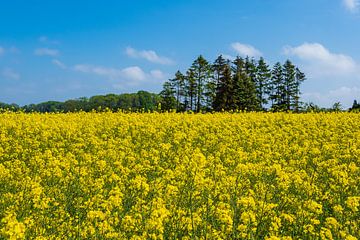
x=140 y=101
x=355 y=107
x=168 y=100
x=202 y=72
x=244 y=84
x=263 y=77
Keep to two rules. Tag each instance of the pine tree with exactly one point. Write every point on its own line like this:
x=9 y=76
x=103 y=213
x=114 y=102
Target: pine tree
x=190 y=90
x=244 y=87
x=263 y=76
x=168 y=100
x=289 y=71
x=178 y=84
x=224 y=90
x=277 y=88
x=300 y=78
x=218 y=69
x=202 y=72
x=251 y=72
x=238 y=74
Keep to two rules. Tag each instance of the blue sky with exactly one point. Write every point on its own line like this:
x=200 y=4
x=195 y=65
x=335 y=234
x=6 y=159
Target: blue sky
x=56 y=50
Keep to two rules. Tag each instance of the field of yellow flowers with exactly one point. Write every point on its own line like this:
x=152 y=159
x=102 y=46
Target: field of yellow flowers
x=180 y=176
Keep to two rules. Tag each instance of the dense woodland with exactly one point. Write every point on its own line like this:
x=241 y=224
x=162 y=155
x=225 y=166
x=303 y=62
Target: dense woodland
x=244 y=84
x=140 y=101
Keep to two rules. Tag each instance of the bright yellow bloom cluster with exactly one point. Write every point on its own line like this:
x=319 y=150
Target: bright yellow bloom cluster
x=180 y=176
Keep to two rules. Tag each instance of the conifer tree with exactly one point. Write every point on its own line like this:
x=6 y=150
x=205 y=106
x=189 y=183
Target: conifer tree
x=202 y=72
x=244 y=86
x=224 y=90
x=218 y=71
x=300 y=78
x=277 y=88
x=178 y=84
x=168 y=100
x=290 y=91
x=218 y=67
x=263 y=76
x=190 y=90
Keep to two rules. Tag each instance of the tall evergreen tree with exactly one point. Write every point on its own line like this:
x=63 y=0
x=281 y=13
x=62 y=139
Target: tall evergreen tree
x=238 y=74
x=244 y=86
x=202 y=72
x=190 y=90
x=218 y=70
x=218 y=67
x=251 y=71
x=178 y=84
x=289 y=71
x=263 y=76
x=250 y=68
x=277 y=88
x=168 y=100
x=224 y=98
x=300 y=78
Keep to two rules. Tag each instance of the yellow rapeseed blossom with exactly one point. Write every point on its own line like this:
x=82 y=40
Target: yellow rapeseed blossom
x=179 y=176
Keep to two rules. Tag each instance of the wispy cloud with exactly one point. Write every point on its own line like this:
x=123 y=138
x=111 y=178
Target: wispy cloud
x=14 y=50
x=9 y=73
x=351 y=5
x=59 y=64
x=130 y=76
x=157 y=74
x=148 y=55
x=46 y=40
x=246 y=50
x=46 y=52
x=110 y=73
x=11 y=50
x=344 y=95
x=132 y=73
x=321 y=61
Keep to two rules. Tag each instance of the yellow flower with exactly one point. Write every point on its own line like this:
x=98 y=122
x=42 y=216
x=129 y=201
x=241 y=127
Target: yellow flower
x=353 y=203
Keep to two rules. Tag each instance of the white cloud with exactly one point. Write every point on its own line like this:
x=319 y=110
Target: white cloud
x=11 y=50
x=246 y=50
x=9 y=73
x=46 y=40
x=319 y=61
x=157 y=74
x=110 y=73
x=126 y=77
x=344 y=95
x=58 y=63
x=46 y=52
x=43 y=39
x=149 y=55
x=134 y=73
x=351 y=5
x=14 y=50
x=130 y=73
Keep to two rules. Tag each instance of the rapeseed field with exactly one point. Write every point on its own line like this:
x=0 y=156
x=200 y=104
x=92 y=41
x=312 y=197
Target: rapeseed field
x=180 y=176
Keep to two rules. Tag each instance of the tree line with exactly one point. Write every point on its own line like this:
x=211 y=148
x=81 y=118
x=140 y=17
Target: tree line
x=242 y=84
x=224 y=85
x=140 y=101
